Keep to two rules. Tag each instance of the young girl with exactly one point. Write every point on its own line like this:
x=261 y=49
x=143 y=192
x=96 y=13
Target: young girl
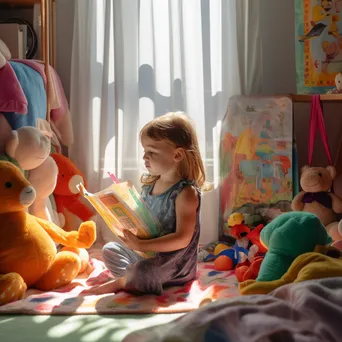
x=172 y=193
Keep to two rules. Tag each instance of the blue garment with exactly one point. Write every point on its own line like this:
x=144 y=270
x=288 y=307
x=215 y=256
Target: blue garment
x=33 y=87
x=165 y=269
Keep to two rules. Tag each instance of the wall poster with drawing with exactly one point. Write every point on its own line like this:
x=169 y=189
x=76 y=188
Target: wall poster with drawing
x=318 y=46
x=256 y=159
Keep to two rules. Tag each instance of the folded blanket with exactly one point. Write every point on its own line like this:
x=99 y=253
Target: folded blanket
x=59 y=106
x=33 y=87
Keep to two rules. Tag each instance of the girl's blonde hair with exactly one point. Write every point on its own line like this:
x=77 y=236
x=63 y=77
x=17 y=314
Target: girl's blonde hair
x=177 y=129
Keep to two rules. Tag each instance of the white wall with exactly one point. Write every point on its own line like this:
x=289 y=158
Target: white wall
x=278 y=46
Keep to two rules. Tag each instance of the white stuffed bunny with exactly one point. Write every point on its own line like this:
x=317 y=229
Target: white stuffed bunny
x=31 y=149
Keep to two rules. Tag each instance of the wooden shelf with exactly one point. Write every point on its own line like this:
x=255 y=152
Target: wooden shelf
x=323 y=97
x=48 y=21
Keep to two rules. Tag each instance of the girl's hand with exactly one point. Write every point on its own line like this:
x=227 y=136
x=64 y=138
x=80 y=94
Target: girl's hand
x=130 y=240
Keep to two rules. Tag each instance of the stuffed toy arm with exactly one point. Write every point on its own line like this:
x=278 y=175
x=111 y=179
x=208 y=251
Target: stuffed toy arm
x=336 y=203
x=81 y=210
x=83 y=238
x=74 y=205
x=297 y=203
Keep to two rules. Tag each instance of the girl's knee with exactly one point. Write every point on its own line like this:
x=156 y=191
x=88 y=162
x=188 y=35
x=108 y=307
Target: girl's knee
x=112 y=258
x=111 y=247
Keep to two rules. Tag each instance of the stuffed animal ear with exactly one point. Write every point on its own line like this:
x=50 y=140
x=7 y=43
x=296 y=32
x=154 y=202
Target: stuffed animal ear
x=332 y=171
x=12 y=144
x=304 y=168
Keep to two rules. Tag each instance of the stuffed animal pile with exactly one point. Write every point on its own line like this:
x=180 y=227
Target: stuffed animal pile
x=298 y=250
x=29 y=223
x=245 y=256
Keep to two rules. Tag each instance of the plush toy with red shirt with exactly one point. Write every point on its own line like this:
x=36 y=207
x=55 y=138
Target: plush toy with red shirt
x=66 y=194
x=249 y=239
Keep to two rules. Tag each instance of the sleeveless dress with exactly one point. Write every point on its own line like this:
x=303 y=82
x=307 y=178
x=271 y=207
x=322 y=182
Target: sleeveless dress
x=167 y=268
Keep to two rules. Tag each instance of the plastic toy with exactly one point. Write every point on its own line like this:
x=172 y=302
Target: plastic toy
x=245 y=236
x=224 y=263
x=235 y=253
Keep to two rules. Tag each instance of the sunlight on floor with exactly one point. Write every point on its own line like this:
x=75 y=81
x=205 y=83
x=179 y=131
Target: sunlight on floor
x=86 y=328
x=94 y=328
x=7 y=320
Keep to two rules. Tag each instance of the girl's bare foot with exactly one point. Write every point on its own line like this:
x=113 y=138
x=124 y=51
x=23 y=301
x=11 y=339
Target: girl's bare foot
x=112 y=286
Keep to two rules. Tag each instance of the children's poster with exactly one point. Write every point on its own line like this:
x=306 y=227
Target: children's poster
x=318 y=45
x=256 y=163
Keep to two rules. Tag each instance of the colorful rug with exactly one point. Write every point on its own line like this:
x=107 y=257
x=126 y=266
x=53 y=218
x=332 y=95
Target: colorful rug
x=68 y=300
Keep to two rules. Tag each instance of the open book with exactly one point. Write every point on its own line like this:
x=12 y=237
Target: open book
x=121 y=207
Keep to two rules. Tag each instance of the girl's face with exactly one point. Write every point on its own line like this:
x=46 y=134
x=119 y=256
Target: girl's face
x=160 y=157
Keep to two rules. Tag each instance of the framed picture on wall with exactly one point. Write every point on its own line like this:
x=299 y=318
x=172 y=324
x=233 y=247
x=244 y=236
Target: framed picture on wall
x=318 y=46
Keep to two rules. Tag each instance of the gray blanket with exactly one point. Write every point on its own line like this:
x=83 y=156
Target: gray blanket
x=305 y=312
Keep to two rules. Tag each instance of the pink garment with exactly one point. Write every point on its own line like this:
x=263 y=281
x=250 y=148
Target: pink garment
x=5 y=133
x=317 y=121
x=12 y=97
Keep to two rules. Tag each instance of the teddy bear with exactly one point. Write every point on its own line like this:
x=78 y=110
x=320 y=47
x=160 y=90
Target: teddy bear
x=28 y=255
x=316 y=197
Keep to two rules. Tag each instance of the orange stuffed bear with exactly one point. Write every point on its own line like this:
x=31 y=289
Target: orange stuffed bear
x=66 y=193
x=28 y=256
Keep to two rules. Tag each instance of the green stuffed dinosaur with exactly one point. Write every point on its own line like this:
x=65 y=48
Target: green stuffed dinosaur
x=286 y=237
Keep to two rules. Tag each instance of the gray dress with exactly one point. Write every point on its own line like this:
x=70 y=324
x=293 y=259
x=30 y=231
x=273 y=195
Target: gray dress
x=165 y=269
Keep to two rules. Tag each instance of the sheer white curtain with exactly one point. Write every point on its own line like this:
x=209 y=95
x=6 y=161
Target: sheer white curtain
x=134 y=60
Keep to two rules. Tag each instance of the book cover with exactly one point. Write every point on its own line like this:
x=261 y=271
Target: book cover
x=121 y=208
